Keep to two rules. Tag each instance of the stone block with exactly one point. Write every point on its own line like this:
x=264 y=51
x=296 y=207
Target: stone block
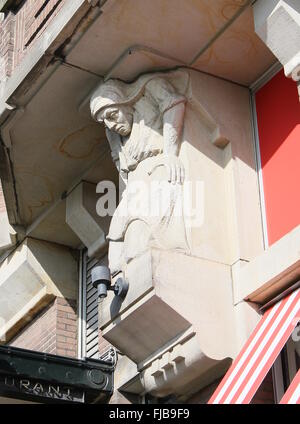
x=30 y=278
x=277 y=22
x=270 y=273
x=176 y=298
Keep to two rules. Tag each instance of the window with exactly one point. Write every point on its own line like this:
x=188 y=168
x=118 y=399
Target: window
x=287 y=364
x=278 y=132
x=89 y=340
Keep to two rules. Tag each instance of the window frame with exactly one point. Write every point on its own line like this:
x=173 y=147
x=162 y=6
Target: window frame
x=254 y=88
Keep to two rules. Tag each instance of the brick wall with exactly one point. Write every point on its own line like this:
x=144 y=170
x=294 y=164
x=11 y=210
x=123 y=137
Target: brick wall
x=19 y=31
x=53 y=331
x=66 y=328
x=7 y=35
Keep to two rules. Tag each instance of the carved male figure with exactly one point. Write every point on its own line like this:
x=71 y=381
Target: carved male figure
x=144 y=122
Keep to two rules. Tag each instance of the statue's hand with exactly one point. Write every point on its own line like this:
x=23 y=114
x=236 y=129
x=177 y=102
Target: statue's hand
x=175 y=168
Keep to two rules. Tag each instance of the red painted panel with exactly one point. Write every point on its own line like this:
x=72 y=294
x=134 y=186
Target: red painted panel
x=278 y=116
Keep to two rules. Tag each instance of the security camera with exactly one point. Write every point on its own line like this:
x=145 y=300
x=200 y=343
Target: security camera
x=101 y=280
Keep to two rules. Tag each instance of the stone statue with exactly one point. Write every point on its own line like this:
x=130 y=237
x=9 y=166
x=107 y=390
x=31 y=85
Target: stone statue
x=144 y=122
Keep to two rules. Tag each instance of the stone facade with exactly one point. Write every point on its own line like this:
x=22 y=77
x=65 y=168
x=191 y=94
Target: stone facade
x=161 y=128
x=91 y=112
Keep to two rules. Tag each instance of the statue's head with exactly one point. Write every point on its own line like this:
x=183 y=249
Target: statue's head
x=108 y=105
x=118 y=119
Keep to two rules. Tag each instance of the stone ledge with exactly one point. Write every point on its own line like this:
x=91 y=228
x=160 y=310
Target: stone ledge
x=145 y=328
x=162 y=276
x=30 y=278
x=271 y=272
x=177 y=371
x=169 y=324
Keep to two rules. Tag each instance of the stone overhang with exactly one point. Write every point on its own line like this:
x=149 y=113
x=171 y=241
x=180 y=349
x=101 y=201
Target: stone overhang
x=34 y=274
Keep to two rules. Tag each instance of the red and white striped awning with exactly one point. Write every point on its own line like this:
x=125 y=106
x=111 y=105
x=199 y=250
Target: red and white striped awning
x=259 y=353
x=292 y=395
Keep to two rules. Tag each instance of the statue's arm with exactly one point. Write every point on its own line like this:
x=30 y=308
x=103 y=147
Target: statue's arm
x=115 y=144
x=172 y=129
x=172 y=108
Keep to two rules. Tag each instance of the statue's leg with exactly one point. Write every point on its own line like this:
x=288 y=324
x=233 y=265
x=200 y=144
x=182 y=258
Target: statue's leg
x=116 y=256
x=136 y=240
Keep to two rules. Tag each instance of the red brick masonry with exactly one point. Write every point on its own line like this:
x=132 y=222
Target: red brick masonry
x=54 y=330
x=19 y=31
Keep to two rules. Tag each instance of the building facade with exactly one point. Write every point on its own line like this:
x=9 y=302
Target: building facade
x=155 y=142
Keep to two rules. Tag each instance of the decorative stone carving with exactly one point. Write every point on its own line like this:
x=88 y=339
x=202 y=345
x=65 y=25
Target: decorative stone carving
x=144 y=123
x=174 y=129
x=277 y=22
